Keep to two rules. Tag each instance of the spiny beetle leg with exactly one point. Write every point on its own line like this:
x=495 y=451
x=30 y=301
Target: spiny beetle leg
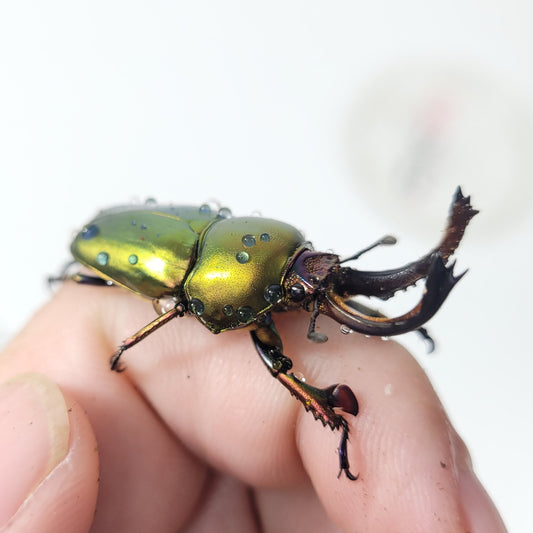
x=320 y=402
x=114 y=362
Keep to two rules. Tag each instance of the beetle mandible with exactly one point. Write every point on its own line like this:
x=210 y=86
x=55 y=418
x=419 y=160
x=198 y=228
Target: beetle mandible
x=235 y=272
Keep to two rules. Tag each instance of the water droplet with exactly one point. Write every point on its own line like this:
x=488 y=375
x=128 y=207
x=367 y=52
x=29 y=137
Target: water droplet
x=224 y=212
x=227 y=310
x=150 y=201
x=133 y=222
x=197 y=306
x=102 y=258
x=345 y=330
x=256 y=213
x=245 y=314
x=89 y=232
x=205 y=209
x=265 y=237
x=164 y=304
x=273 y=293
x=132 y=259
x=242 y=257
x=143 y=226
x=248 y=240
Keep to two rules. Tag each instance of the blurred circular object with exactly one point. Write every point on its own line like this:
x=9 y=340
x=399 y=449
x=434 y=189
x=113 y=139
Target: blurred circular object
x=419 y=131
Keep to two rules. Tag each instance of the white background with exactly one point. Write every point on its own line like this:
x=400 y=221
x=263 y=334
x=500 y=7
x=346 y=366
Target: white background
x=348 y=119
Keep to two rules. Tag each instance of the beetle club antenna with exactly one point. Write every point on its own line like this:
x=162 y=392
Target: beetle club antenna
x=386 y=240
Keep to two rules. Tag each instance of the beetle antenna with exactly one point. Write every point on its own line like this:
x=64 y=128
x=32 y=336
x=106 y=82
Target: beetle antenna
x=386 y=240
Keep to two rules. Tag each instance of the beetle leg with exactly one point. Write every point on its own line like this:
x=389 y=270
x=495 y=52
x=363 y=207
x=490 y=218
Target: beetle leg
x=312 y=334
x=86 y=279
x=179 y=310
x=321 y=402
x=78 y=277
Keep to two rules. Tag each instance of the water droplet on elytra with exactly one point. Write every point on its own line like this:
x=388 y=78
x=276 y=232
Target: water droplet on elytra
x=245 y=314
x=197 y=306
x=224 y=212
x=90 y=232
x=248 y=240
x=102 y=258
x=242 y=257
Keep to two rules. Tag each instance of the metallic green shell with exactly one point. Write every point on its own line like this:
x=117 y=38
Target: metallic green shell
x=146 y=249
x=240 y=269
x=230 y=270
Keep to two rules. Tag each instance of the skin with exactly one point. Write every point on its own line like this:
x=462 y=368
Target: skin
x=197 y=436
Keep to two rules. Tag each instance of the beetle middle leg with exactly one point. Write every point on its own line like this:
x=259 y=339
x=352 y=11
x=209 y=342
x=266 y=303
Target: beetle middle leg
x=178 y=310
x=321 y=402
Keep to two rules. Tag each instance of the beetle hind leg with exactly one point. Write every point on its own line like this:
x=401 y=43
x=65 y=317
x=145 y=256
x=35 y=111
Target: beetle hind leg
x=320 y=402
x=79 y=277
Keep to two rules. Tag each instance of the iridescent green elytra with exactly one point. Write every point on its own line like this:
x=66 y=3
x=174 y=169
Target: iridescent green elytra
x=229 y=269
x=236 y=272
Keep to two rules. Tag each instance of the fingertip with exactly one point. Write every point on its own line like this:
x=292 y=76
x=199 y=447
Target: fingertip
x=65 y=499
x=402 y=445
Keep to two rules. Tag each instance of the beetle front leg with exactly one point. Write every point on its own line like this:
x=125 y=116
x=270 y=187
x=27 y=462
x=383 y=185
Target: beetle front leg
x=321 y=402
x=114 y=362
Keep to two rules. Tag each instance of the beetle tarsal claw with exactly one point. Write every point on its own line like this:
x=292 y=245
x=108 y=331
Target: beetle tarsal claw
x=344 y=464
x=115 y=363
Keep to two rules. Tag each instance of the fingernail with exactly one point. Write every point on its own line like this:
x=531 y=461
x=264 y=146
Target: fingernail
x=478 y=508
x=34 y=437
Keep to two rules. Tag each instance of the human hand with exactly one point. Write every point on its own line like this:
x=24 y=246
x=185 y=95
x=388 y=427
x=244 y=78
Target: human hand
x=196 y=436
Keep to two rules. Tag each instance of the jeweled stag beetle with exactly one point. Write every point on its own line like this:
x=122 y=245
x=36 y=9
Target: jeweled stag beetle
x=235 y=272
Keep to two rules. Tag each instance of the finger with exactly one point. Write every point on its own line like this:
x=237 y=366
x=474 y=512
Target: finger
x=226 y=507
x=138 y=453
x=216 y=396
x=414 y=472
x=48 y=459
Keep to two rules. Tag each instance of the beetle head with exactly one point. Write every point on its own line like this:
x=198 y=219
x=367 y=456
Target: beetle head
x=320 y=283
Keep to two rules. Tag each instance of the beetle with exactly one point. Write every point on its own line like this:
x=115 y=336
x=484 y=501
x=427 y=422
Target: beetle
x=235 y=272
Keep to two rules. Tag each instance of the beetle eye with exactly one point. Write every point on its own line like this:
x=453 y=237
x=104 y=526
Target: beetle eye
x=297 y=292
